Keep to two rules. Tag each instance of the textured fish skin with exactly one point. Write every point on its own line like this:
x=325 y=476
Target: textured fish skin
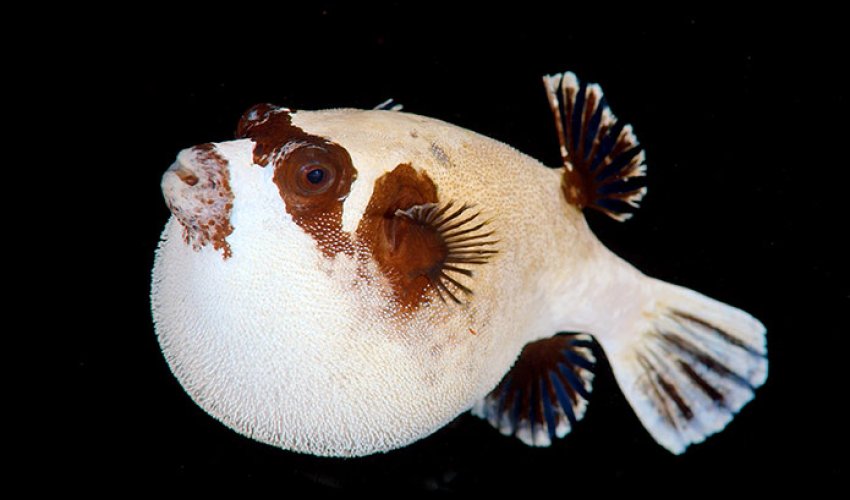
x=308 y=352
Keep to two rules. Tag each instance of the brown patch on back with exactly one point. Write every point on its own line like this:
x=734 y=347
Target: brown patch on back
x=316 y=208
x=405 y=252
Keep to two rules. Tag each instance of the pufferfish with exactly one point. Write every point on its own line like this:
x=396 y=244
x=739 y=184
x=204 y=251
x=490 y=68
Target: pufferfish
x=345 y=282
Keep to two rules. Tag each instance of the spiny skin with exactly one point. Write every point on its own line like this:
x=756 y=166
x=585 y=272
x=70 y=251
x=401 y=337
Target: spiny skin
x=298 y=351
x=307 y=353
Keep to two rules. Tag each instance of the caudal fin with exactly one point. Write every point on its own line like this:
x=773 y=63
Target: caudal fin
x=689 y=365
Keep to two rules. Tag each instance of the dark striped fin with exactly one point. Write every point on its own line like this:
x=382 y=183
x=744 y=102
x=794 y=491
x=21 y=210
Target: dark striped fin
x=690 y=366
x=546 y=391
x=604 y=162
x=467 y=239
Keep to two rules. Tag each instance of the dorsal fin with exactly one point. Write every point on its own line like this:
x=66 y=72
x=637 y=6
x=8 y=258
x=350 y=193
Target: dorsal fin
x=604 y=164
x=389 y=105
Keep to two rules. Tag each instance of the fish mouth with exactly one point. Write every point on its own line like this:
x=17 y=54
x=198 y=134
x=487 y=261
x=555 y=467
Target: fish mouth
x=197 y=191
x=183 y=173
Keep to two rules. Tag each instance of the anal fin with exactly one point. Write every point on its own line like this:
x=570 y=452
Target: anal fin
x=603 y=161
x=545 y=394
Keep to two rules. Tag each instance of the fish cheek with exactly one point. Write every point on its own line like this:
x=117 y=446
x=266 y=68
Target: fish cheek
x=406 y=252
x=414 y=251
x=415 y=246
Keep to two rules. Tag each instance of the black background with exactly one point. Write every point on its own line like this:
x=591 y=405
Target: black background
x=742 y=116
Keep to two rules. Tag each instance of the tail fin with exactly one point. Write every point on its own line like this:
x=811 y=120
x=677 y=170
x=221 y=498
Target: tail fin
x=688 y=365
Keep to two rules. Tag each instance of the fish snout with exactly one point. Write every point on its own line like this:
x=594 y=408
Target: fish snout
x=177 y=184
x=184 y=173
x=198 y=175
x=197 y=191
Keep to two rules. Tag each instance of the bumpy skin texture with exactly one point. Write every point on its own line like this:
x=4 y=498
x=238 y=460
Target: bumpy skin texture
x=306 y=350
x=300 y=351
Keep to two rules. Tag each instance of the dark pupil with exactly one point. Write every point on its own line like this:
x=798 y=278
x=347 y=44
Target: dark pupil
x=316 y=175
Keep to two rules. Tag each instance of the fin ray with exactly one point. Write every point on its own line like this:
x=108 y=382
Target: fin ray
x=464 y=240
x=547 y=390
x=598 y=151
x=689 y=365
x=564 y=399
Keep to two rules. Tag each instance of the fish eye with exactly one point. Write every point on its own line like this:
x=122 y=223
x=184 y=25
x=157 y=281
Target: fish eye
x=316 y=175
x=314 y=178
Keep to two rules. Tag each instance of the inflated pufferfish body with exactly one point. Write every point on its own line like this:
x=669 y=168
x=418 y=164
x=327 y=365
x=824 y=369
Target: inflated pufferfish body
x=345 y=282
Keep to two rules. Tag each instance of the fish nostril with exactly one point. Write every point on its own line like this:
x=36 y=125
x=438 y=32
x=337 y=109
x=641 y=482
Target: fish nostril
x=186 y=175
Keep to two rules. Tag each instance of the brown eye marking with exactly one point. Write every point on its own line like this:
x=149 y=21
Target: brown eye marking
x=313 y=174
x=270 y=127
x=425 y=249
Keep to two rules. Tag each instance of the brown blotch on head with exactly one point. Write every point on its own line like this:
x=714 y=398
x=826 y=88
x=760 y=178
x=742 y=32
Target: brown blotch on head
x=271 y=128
x=405 y=252
x=420 y=246
x=314 y=200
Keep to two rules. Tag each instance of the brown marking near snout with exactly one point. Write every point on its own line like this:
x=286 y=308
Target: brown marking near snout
x=205 y=214
x=420 y=246
x=187 y=176
x=315 y=207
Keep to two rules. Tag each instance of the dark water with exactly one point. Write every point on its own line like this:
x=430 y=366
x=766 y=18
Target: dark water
x=742 y=117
